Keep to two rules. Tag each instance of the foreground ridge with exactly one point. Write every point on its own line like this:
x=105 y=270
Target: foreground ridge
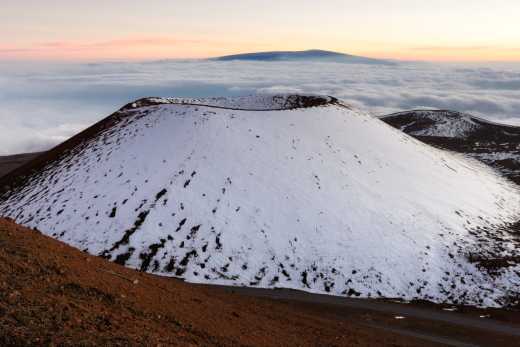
x=52 y=294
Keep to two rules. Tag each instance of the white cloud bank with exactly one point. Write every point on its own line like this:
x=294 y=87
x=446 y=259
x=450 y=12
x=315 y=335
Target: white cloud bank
x=41 y=105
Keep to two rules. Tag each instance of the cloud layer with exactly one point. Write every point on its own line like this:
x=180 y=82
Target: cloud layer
x=43 y=104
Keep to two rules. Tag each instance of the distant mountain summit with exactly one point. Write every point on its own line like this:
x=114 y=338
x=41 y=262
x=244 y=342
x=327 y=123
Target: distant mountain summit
x=310 y=55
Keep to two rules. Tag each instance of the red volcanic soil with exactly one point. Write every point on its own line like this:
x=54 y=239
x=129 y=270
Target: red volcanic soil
x=52 y=294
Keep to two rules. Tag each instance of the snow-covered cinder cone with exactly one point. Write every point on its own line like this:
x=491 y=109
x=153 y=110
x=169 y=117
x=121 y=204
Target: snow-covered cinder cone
x=286 y=191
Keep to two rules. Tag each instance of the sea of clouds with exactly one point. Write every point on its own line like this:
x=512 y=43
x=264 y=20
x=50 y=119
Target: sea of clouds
x=44 y=104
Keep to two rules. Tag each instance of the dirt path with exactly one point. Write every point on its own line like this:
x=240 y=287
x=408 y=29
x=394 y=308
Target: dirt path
x=396 y=309
x=429 y=322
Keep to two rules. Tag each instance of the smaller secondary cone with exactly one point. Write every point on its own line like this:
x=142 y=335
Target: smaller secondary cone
x=492 y=143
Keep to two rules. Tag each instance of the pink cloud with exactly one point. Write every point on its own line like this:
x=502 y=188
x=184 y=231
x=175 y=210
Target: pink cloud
x=129 y=42
x=142 y=47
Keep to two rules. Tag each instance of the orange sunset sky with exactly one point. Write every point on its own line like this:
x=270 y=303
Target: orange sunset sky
x=464 y=30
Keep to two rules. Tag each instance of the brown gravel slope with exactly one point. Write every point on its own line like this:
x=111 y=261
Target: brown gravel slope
x=52 y=294
x=10 y=162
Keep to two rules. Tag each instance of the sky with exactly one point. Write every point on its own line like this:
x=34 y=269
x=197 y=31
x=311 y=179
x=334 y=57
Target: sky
x=67 y=64
x=441 y=30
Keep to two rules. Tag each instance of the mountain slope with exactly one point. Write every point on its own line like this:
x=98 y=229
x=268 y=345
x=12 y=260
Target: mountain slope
x=307 y=193
x=497 y=145
x=10 y=162
x=308 y=55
